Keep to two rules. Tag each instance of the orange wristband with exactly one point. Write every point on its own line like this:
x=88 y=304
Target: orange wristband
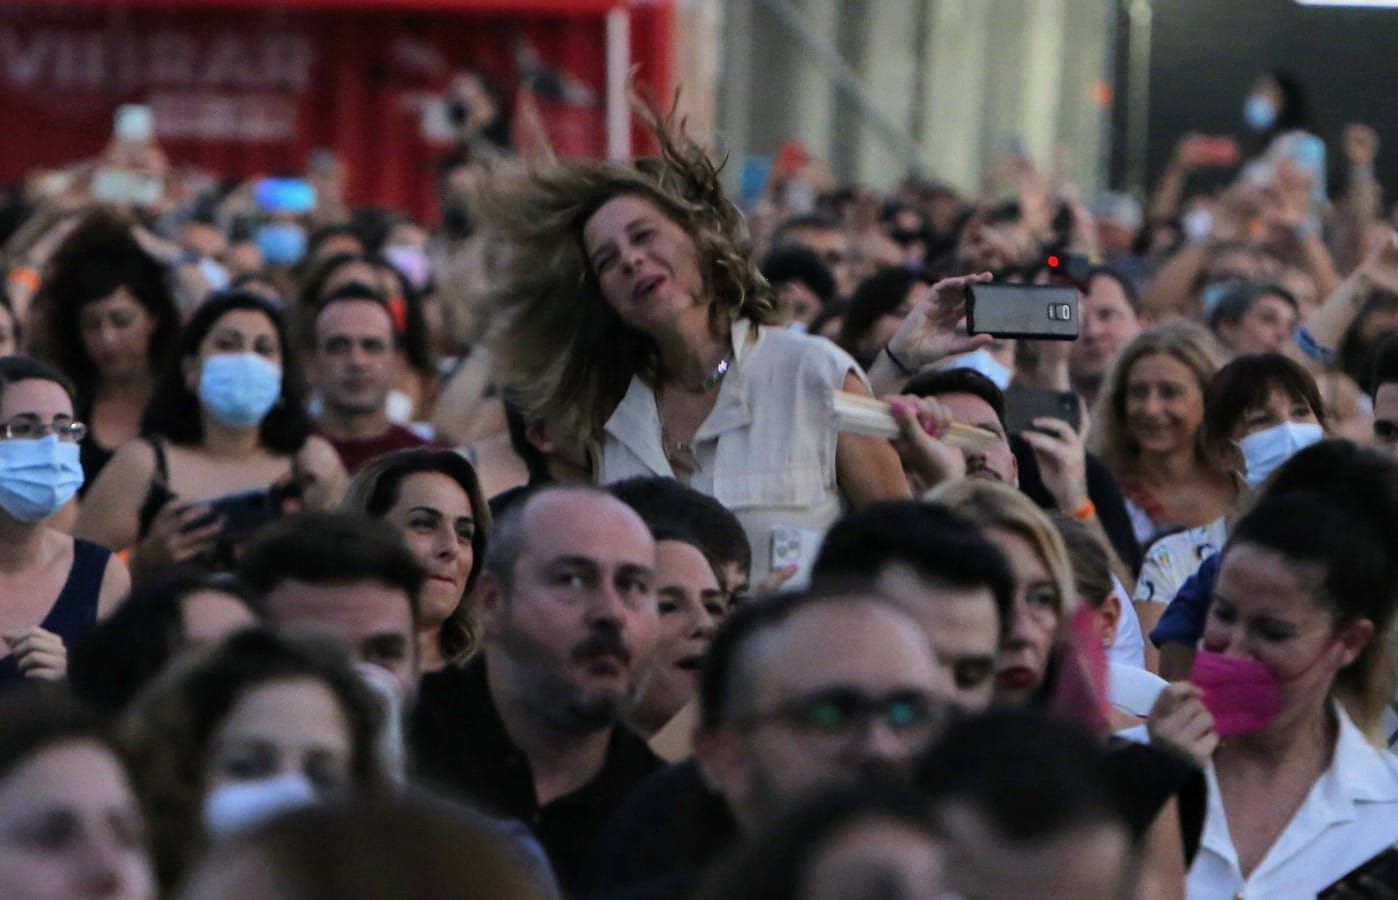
x=1086 y=512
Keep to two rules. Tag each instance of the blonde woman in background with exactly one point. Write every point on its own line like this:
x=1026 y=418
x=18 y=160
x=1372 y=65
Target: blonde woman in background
x=1148 y=428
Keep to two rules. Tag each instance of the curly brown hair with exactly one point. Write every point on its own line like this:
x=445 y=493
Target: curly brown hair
x=169 y=728
x=563 y=353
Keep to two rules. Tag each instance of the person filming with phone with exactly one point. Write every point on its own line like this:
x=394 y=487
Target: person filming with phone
x=228 y=445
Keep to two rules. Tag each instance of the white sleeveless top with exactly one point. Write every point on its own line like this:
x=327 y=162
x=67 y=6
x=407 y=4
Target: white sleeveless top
x=766 y=450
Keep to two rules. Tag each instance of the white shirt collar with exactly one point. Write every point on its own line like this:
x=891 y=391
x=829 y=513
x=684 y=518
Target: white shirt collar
x=1358 y=773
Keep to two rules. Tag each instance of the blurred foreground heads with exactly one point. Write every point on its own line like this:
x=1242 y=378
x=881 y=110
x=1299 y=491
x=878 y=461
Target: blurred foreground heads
x=70 y=824
x=366 y=851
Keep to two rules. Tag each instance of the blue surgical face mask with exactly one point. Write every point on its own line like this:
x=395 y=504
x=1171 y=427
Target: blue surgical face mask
x=1260 y=113
x=239 y=389
x=1264 y=451
x=37 y=477
x=281 y=243
x=981 y=361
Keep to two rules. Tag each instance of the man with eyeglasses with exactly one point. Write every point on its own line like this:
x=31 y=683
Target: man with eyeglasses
x=799 y=691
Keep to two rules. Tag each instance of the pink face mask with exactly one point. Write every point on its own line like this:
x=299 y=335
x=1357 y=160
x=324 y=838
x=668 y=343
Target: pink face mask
x=1243 y=695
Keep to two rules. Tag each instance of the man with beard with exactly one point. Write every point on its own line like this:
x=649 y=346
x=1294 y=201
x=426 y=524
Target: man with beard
x=530 y=729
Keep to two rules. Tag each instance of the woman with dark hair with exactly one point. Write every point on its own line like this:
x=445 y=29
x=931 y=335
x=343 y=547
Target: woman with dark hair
x=228 y=417
x=266 y=722
x=53 y=587
x=435 y=501
x=70 y=825
x=636 y=321
x=110 y=321
x=876 y=309
x=1289 y=687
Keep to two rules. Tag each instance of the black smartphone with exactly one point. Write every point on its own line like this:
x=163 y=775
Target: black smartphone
x=1024 y=405
x=246 y=511
x=1047 y=312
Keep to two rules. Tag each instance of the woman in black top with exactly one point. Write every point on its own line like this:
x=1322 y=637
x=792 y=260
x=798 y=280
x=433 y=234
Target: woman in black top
x=109 y=322
x=53 y=588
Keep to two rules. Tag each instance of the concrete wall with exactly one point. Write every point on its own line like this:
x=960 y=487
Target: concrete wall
x=964 y=79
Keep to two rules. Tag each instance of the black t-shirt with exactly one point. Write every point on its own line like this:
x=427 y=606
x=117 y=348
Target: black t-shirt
x=458 y=746
x=663 y=835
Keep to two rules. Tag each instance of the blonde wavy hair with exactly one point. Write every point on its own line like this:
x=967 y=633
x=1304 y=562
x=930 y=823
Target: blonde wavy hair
x=1183 y=340
x=988 y=504
x=561 y=352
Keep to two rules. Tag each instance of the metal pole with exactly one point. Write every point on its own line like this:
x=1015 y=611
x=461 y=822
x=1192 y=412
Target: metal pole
x=1139 y=16
x=827 y=58
x=618 y=59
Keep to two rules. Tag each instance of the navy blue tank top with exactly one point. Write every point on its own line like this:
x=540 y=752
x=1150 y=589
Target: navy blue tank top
x=74 y=613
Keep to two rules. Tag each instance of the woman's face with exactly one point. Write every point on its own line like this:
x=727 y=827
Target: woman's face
x=434 y=516
x=70 y=827
x=692 y=604
x=1024 y=656
x=279 y=728
x=646 y=264
x=1164 y=404
x=238 y=331
x=1266 y=608
x=877 y=858
x=116 y=332
x=1264 y=328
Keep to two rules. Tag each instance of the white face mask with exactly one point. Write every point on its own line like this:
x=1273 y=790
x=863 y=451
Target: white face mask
x=981 y=361
x=1264 y=451
x=233 y=808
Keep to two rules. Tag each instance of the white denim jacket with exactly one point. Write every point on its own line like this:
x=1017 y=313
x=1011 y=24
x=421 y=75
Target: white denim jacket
x=766 y=451
x=1350 y=815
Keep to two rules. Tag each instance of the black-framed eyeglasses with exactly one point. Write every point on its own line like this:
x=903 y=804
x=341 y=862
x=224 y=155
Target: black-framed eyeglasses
x=32 y=428
x=842 y=712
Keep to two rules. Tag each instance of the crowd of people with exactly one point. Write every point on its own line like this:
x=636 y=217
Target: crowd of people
x=532 y=553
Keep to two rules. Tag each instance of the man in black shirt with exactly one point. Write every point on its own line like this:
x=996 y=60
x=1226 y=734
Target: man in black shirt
x=530 y=729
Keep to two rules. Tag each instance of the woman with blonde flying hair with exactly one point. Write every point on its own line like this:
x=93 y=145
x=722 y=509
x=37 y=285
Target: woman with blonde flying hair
x=1148 y=428
x=636 y=319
